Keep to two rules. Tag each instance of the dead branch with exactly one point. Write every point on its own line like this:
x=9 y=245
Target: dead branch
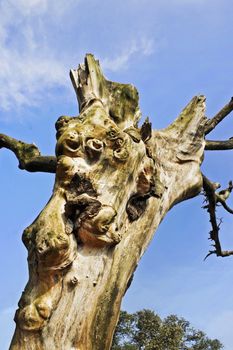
x=223 y=113
x=219 y=145
x=28 y=155
x=212 y=199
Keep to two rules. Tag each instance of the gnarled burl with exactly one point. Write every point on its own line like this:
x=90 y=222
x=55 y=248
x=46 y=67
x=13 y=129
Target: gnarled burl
x=115 y=181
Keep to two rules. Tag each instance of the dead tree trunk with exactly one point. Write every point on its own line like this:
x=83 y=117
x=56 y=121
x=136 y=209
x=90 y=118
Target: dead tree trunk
x=115 y=182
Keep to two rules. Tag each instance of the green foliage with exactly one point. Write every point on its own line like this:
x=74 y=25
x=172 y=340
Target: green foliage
x=144 y=330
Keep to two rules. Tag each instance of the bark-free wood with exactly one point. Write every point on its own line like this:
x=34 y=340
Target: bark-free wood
x=115 y=182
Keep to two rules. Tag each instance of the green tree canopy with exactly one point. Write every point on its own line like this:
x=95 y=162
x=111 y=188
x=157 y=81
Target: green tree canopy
x=145 y=330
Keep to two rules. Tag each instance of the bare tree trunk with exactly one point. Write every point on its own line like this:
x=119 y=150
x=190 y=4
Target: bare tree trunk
x=114 y=184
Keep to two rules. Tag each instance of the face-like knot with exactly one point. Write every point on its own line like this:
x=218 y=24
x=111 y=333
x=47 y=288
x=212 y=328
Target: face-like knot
x=69 y=143
x=94 y=148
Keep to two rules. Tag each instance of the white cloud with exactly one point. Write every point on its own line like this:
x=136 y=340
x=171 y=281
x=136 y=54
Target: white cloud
x=24 y=77
x=28 y=65
x=142 y=47
x=34 y=59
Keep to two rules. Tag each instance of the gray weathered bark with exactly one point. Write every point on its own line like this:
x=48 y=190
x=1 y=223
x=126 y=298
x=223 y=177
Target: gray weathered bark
x=114 y=184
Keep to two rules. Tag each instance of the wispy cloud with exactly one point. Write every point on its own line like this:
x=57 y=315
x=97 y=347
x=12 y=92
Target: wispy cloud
x=28 y=65
x=142 y=47
x=33 y=61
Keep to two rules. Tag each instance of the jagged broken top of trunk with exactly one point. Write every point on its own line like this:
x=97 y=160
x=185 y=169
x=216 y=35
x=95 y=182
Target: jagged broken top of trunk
x=120 y=101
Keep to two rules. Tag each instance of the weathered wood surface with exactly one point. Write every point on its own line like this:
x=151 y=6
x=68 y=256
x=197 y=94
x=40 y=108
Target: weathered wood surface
x=114 y=184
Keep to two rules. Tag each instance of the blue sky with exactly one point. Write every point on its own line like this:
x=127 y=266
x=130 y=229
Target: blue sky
x=171 y=51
